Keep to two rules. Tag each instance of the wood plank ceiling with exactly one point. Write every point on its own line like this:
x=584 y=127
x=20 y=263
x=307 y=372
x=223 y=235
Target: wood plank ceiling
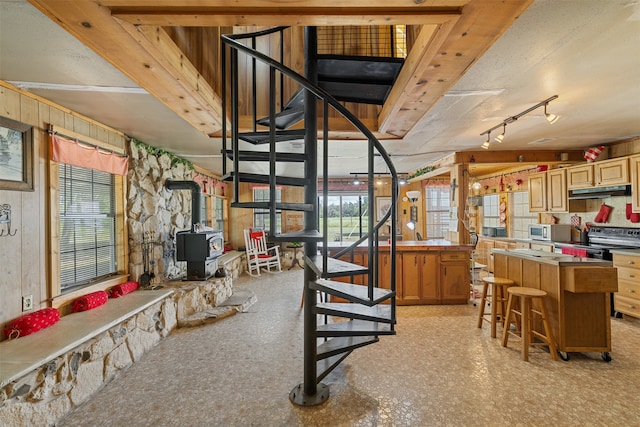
x=132 y=35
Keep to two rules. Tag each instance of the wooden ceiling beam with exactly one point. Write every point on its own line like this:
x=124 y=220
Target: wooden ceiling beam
x=289 y=16
x=479 y=26
x=153 y=64
x=414 y=5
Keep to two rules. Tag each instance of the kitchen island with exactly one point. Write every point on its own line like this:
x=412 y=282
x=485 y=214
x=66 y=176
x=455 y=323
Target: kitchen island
x=427 y=272
x=578 y=295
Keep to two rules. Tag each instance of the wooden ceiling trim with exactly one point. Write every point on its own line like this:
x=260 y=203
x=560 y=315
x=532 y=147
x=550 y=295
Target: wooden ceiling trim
x=255 y=4
x=480 y=25
x=94 y=26
x=425 y=48
x=284 y=16
x=159 y=44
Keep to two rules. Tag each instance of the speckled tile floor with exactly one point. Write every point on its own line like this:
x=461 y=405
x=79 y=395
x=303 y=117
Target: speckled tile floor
x=439 y=370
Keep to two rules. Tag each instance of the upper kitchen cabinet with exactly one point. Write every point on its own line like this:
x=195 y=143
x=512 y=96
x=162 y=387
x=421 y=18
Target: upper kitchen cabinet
x=599 y=174
x=634 y=163
x=612 y=172
x=580 y=176
x=548 y=191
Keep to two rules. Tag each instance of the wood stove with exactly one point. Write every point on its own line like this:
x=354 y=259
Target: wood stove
x=201 y=251
x=199 y=248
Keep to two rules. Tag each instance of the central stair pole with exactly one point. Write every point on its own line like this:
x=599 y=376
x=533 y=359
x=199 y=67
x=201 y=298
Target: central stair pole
x=310 y=393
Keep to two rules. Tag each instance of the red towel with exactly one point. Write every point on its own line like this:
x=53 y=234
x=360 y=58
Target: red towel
x=123 y=289
x=89 y=301
x=33 y=322
x=629 y=209
x=575 y=251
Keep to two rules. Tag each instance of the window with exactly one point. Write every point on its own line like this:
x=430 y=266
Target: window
x=87 y=226
x=437 y=215
x=347 y=216
x=218 y=209
x=520 y=215
x=491 y=210
x=261 y=216
x=204 y=208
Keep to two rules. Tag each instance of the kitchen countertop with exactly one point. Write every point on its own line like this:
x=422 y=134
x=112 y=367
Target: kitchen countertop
x=629 y=251
x=553 y=258
x=409 y=245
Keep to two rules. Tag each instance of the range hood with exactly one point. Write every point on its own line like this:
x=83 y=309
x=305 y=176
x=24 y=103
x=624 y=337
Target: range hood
x=600 y=192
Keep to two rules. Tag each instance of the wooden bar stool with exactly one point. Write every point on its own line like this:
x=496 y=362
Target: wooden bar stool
x=525 y=315
x=496 y=300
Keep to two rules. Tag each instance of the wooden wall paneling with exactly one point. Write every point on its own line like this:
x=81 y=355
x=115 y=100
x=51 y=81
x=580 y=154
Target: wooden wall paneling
x=9 y=103
x=11 y=265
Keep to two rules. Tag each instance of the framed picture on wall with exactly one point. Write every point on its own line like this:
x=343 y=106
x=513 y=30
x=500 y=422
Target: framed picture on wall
x=383 y=204
x=16 y=155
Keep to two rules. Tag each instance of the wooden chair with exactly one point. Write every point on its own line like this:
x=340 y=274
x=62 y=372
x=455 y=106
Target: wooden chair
x=259 y=255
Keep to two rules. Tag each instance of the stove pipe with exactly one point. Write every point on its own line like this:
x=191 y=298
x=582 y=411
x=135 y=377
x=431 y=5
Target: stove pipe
x=195 y=197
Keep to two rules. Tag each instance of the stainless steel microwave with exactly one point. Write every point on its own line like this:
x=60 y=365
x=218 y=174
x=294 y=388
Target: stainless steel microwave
x=550 y=232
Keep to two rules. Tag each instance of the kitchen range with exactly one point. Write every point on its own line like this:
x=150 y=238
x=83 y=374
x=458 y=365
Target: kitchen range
x=600 y=241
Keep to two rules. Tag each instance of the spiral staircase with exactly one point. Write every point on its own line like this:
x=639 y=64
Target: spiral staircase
x=332 y=330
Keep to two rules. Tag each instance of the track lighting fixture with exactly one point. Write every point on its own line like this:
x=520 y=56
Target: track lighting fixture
x=551 y=118
x=500 y=137
x=356 y=181
x=486 y=144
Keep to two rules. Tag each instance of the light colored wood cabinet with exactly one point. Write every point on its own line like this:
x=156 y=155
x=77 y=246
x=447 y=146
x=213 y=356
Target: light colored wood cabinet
x=557 y=195
x=634 y=165
x=548 y=192
x=538 y=192
x=580 y=176
x=627 y=299
x=544 y=247
x=578 y=298
x=612 y=172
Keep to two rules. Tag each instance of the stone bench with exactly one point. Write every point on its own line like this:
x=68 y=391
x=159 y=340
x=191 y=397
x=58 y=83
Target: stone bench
x=233 y=262
x=22 y=355
x=46 y=375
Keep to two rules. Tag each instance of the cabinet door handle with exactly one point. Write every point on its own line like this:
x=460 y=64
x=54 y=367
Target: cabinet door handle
x=631 y=291
x=424 y=259
x=631 y=262
x=415 y=260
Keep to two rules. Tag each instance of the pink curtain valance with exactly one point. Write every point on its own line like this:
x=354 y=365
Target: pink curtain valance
x=75 y=153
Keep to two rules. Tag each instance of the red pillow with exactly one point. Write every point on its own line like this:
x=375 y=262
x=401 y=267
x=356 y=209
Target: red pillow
x=123 y=289
x=32 y=322
x=89 y=301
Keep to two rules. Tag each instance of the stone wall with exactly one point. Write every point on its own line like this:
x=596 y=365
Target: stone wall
x=47 y=394
x=155 y=213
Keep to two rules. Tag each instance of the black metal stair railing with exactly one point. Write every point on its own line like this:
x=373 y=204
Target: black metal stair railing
x=319 y=267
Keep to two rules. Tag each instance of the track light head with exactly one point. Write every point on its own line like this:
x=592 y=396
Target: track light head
x=500 y=137
x=551 y=118
x=356 y=181
x=486 y=144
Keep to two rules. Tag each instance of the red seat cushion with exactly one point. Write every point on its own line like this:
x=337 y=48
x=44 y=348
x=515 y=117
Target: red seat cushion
x=32 y=322
x=123 y=289
x=89 y=301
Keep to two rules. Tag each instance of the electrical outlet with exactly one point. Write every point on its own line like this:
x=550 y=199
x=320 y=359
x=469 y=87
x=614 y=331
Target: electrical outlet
x=27 y=302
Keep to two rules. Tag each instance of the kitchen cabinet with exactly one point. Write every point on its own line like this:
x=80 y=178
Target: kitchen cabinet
x=538 y=192
x=548 y=191
x=454 y=277
x=577 y=295
x=612 y=172
x=557 y=195
x=544 y=247
x=419 y=278
x=627 y=299
x=580 y=177
x=634 y=165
